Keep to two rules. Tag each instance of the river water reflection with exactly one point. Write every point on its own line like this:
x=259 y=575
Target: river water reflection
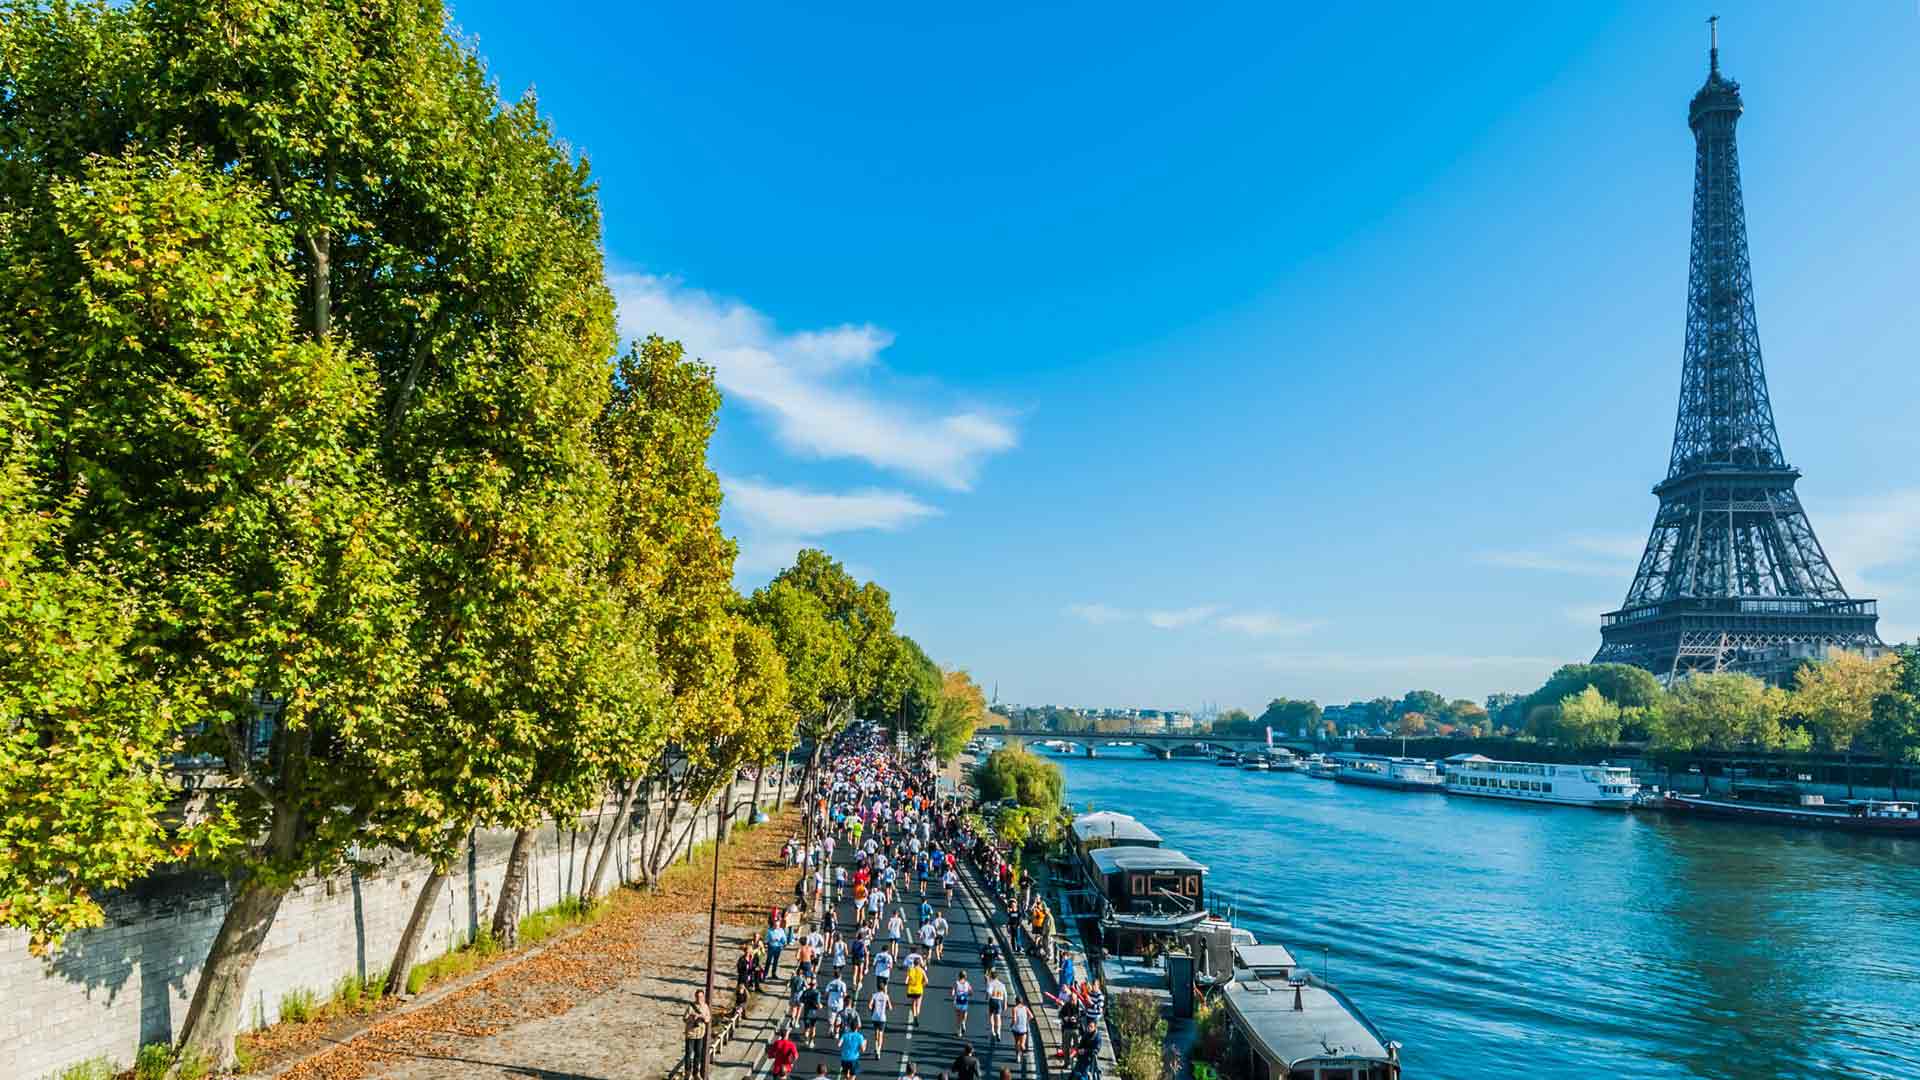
x=1558 y=942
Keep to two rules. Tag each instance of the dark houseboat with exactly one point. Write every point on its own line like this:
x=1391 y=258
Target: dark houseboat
x=1857 y=815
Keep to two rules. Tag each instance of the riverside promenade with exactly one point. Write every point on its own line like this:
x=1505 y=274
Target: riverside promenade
x=602 y=1003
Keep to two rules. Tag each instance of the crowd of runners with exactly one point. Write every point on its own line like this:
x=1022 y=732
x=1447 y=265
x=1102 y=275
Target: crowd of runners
x=878 y=865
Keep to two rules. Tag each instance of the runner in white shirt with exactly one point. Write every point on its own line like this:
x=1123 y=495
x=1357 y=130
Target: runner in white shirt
x=1021 y=1022
x=940 y=929
x=877 y=1010
x=996 y=1001
x=895 y=925
x=836 y=995
x=927 y=936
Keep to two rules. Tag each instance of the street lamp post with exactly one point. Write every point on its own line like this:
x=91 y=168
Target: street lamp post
x=713 y=919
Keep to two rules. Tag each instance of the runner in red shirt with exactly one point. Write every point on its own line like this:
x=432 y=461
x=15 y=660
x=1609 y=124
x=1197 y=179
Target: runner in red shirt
x=784 y=1053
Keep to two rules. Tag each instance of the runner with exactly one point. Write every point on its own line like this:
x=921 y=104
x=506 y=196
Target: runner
x=796 y=986
x=784 y=1054
x=1021 y=1022
x=895 y=926
x=882 y=968
x=916 y=984
x=858 y=950
x=836 y=1000
x=962 y=997
x=996 y=1000
x=877 y=1011
x=950 y=880
x=851 y=1044
x=810 y=1010
x=940 y=929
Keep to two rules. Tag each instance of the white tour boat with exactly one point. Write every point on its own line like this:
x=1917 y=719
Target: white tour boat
x=1610 y=787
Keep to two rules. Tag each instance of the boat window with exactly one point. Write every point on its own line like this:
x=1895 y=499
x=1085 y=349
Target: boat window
x=1548 y=788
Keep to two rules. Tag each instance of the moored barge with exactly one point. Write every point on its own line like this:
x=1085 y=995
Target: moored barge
x=1858 y=815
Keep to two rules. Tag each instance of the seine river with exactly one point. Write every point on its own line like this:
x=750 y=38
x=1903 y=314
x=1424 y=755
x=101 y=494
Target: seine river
x=1558 y=942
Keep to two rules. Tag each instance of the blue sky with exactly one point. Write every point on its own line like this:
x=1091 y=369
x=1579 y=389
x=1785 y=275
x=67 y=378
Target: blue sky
x=1166 y=355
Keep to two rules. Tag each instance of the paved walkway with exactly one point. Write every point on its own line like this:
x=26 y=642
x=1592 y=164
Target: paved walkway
x=604 y=1004
x=930 y=1046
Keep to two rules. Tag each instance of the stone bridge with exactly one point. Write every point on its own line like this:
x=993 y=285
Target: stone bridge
x=1159 y=744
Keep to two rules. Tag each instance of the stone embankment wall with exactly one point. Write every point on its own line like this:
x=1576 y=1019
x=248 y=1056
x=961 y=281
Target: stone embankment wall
x=110 y=990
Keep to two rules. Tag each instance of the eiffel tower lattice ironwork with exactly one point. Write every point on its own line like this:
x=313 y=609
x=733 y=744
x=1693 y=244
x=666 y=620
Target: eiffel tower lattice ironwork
x=1733 y=576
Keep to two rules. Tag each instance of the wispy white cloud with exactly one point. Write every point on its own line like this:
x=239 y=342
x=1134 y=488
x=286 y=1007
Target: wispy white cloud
x=776 y=522
x=800 y=381
x=1250 y=623
x=1874 y=545
x=791 y=511
x=1182 y=617
x=1585 y=554
x=1097 y=614
x=1266 y=624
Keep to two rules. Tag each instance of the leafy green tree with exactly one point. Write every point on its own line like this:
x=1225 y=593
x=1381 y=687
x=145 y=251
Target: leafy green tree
x=1894 y=731
x=962 y=707
x=1233 y=722
x=762 y=699
x=1013 y=773
x=924 y=688
x=1288 y=716
x=1589 y=719
x=326 y=205
x=816 y=652
x=1425 y=702
x=862 y=618
x=83 y=732
x=1715 y=711
x=670 y=567
x=231 y=480
x=1838 y=696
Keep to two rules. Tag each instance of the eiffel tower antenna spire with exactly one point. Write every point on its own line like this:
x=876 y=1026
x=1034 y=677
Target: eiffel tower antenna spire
x=1732 y=575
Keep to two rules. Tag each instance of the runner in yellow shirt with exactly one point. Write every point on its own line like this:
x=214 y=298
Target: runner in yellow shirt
x=916 y=986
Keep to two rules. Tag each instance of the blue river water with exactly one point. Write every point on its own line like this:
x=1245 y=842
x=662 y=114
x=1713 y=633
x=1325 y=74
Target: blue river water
x=1558 y=942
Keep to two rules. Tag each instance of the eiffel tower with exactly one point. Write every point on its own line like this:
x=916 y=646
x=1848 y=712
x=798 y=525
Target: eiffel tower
x=1733 y=576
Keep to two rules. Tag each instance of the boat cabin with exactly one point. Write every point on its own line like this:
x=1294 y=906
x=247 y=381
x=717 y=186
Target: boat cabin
x=1284 y=1023
x=1105 y=828
x=1149 y=895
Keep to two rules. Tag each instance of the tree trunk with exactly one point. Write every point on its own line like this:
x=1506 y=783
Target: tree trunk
x=780 y=793
x=214 y=1016
x=759 y=778
x=692 y=840
x=662 y=852
x=622 y=819
x=586 y=856
x=409 y=946
x=1849 y=774
x=513 y=890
